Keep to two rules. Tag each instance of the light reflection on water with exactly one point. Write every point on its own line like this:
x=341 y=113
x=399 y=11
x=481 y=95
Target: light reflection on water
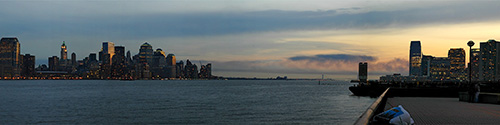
x=178 y=102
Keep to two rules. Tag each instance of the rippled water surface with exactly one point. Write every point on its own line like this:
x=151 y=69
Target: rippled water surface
x=178 y=102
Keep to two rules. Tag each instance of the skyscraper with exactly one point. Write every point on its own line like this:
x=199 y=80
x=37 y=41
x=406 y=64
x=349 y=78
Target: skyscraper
x=363 y=72
x=118 y=64
x=10 y=50
x=146 y=53
x=64 y=51
x=73 y=59
x=54 y=63
x=475 y=55
x=415 y=58
x=489 y=61
x=108 y=48
x=440 y=69
x=28 y=69
x=457 y=60
x=425 y=65
x=171 y=66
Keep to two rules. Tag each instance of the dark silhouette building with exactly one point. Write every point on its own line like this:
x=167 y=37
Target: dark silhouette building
x=28 y=66
x=363 y=72
x=54 y=63
x=171 y=66
x=415 y=58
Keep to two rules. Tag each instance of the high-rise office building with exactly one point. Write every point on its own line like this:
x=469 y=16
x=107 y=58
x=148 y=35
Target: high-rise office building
x=146 y=53
x=440 y=69
x=92 y=57
x=425 y=66
x=108 y=48
x=118 y=64
x=171 y=66
x=363 y=72
x=475 y=57
x=179 y=69
x=159 y=64
x=54 y=63
x=28 y=69
x=64 y=51
x=159 y=59
x=73 y=59
x=10 y=50
x=489 y=61
x=457 y=60
x=415 y=58
x=191 y=70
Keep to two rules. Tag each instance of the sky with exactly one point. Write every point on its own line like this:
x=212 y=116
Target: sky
x=257 y=38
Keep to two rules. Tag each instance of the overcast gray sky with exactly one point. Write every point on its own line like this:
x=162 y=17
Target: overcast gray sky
x=256 y=38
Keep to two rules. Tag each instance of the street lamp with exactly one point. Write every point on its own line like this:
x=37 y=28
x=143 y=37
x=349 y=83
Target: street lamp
x=470 y=44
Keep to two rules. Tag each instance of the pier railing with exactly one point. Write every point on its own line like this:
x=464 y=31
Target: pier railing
x=376 y=107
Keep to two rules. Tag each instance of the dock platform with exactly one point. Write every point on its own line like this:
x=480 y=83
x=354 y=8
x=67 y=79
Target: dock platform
x=432 y=110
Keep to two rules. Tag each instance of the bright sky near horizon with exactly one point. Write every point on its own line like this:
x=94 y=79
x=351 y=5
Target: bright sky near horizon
x=257 y=38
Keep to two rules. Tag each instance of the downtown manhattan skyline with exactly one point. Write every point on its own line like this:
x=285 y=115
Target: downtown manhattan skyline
x=257 y=38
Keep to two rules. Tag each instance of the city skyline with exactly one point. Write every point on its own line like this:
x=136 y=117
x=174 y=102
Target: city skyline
x=257 y=38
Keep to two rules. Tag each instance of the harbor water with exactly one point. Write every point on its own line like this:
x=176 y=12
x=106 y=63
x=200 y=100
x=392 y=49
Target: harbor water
x=179 y=102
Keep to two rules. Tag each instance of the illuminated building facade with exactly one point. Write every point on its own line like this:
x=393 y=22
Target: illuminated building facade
x=10 y=50
x=415 y=58
x=457 y=60
x=489 y=61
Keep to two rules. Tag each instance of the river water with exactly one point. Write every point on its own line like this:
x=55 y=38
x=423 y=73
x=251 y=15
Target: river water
x=178 y=102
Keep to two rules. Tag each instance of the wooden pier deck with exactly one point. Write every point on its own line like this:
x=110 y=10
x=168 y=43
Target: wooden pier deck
x=429 y=110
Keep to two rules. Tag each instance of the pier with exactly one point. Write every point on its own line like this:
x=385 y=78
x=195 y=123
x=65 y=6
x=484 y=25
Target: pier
x=437 y=110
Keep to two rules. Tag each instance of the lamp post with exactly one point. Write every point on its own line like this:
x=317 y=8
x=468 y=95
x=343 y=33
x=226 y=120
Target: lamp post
x=470 y=44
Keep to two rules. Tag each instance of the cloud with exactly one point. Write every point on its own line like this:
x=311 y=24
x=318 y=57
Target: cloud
x=334 y=57
x=332 y=64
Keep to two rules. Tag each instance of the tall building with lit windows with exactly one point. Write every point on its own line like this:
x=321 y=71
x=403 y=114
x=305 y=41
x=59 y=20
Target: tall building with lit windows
x=10 y=50
x=108 y=48
x=64 y=51
x=439 y=69
x=146 y=53
x=475 y=55
x=457 y=60
x=415 y=58
x=489 y=61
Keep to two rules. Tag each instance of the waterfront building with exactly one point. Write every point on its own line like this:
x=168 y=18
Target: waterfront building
x=10 y=50
x=54 y=63
x=440 y=69
x=425 y=66
x=206 y=71
x=158 y=65
x=108 y=48
x=92 y=57
x=118 y=62
x=191 y=70
x=363 y=72
x=475 y=55
x=64 y=51
x=179 y=69
x=28 y=65
x=457 y=60
x=171 y=66
x=146 y=53
x=489 y=61
x=73 y=59
x=415 y=58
